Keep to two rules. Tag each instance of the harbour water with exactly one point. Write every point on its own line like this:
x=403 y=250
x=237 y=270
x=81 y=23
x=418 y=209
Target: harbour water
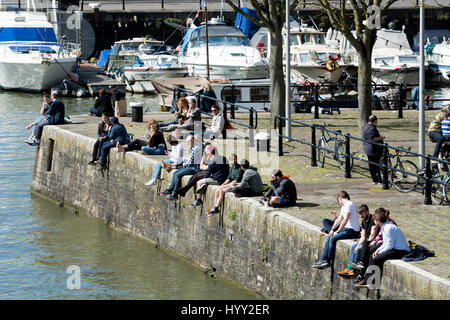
x=39 y=240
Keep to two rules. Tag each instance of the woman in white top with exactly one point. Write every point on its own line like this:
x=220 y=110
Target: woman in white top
x=217 y=124
x=175 y=159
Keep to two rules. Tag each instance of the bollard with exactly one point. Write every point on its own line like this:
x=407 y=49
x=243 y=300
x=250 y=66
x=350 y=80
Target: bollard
x=225 y=122
x=232 y=102
x=313 y=147
x=280 y=139
x=316 y=101
x=348 y=173
x=428 y=181
x=251 y=134
x=401 y=101
x=385 y=169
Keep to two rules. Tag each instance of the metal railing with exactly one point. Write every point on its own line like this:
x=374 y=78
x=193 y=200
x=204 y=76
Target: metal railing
x=384 y=165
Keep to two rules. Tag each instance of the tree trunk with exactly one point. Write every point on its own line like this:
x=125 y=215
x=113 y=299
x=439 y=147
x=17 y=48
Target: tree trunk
x=277 y=85
x=364 y=90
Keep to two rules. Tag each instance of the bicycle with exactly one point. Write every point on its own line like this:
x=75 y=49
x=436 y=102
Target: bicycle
x=338 y=151
x=401 y=178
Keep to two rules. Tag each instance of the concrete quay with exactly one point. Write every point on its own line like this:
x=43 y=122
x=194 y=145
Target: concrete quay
x=267 y=250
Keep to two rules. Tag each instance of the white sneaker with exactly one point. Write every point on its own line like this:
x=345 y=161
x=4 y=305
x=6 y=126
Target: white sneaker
x=151 y=182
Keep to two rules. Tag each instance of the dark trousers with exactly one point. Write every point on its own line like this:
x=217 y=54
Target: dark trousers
x=365 y=254
x=40 y=128
x=439 y=138
x=245 y=192
x=380 y=259
x=104 y=152
x=136 y=144
x=374 y=169
x=97 y=147
x=95 y=112
x=192 y=181
x=327 y=224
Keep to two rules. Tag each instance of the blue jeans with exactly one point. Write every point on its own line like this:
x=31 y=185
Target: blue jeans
x=95 y=112
x=104 y=152
x=158 y=168
x=168 y=123
x=158 y=150
x=37 y=121
x=330 y=243
x=354 y=257
x=180 y=173
x=327 y=224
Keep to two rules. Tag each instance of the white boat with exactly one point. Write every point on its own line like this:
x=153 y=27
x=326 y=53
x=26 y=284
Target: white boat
x=150 y=59
x=392 y=58
x=31 y=59
x=231 y=55
x=438 y=56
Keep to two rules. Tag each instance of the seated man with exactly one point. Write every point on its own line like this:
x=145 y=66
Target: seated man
x=251 y=184
x=348 y=229
x=191 y=167
x=435 y=131
x=117 y=135
x=283 y=192
x=394 y=246
x=217 y=124
x=233 y=180
x=55 y=115
x=216 y=174
x=194 y=118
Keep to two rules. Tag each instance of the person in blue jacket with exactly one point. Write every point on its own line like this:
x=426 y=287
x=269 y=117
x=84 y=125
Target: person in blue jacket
x=117 y=133
x=205 y=103
x=55 y=115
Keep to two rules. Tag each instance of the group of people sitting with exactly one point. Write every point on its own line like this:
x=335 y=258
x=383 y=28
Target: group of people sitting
x=52 y=112
x=380 y=239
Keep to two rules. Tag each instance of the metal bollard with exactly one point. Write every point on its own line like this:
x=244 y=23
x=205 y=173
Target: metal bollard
x=232 y=102
x=428 y=181
x=348 y=173
x=401 y=102
x=316 y=101
x=280 y=139
x=313 y=147
x=251 y=134
x=225 y=118
x=385 y=169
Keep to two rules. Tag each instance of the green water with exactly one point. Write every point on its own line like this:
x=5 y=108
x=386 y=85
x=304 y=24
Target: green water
x=39 y=240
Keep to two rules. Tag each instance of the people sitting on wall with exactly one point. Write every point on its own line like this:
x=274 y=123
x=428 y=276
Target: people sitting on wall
x=190 y=167
x=283 y=192
x=200 y=174
x=156 y=144
x=180 y=114
x=368 y=232
x=102 y=105
x=346 y=226
x=217 y=124
x=394 y=246
x=251 y=184
x=102 y=136
x=207 y=98
x=193 y=122
x=43 y=113
x=175 y=159
x=216 y=174
x=117 y=134
x=55 y=115
x=233 y=180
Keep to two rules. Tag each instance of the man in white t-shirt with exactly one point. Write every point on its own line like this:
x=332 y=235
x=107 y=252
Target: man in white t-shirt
x=346 y=226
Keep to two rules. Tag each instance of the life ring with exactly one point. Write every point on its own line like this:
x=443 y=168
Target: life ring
x=332 y=65
x=331 y=57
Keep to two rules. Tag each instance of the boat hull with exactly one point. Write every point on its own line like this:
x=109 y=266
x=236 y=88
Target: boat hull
x=34 y=76
x=316 y=74
x=142 y=77
x=404 y=75
x=228 y=72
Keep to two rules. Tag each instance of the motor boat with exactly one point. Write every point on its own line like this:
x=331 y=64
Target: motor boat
x=231 y=55
x=31 y=57
x=438 y=57
x=137 y=61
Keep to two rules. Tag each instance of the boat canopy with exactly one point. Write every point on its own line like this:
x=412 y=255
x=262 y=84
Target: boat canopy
x=247 y=27
x=26 y=49
x=28 y=34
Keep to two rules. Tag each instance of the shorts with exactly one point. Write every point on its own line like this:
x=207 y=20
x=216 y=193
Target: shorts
x=211 y=182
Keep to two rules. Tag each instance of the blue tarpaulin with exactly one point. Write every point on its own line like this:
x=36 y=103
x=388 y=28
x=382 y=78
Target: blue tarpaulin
x=103 y=58
x=247 y=27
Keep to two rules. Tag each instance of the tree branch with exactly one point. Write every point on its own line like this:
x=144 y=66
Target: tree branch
x=260 y=23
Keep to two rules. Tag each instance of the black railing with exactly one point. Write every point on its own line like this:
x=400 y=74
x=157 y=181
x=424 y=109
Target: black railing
x=385 y=167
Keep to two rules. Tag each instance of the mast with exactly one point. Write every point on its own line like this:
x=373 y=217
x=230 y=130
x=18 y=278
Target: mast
x=205 y=4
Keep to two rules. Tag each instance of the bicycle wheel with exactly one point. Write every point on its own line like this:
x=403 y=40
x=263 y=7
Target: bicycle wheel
x=447 y=189
x=402 y=181
x=437 y=190
x=321 y=152
x=340 y=156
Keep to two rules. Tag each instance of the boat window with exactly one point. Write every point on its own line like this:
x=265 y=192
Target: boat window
x=294 y=57
x=306 y=38
x=322 y=56
x=385 y=60
x=259 y=94
x=407 y=59
x=319 y=39
x=293 y=40
x=304 y=58
x=225 y=41
x=226 y=94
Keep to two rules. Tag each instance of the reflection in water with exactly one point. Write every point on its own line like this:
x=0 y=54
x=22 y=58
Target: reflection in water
x=39 y=240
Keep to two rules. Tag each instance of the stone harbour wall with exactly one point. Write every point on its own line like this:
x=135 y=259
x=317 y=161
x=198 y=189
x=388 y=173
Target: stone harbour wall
x=263 y=249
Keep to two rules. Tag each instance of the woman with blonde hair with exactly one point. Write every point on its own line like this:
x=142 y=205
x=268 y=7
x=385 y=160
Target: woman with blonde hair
x=154 y=145
x=207 y=99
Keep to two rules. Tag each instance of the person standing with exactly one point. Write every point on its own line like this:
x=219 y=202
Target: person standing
x=373 y=152
x=346 y=226
x=392 y=96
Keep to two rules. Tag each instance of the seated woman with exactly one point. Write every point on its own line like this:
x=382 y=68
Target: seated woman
x=102 y=134
x=45 y=106
x=205 y=102
x=180 y=115
x=102 y=105
x=217 y=124
x=176 y=159
x=155 y=146
x=194 y=118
